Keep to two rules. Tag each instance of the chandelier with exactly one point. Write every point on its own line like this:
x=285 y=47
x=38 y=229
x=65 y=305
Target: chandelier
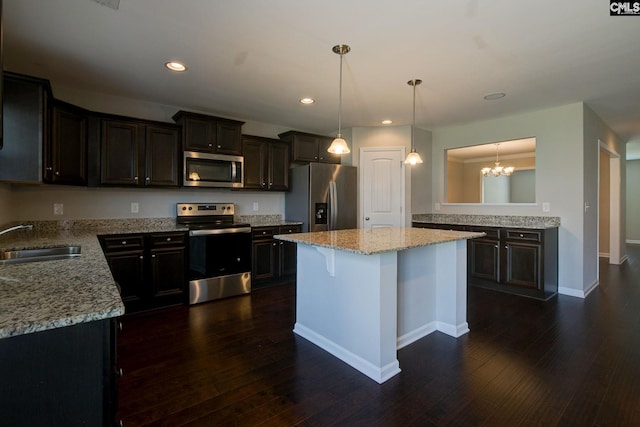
x=497 y=170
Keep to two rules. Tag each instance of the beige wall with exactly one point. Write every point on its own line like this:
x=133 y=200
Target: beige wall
x=467 y=179
x=7 y=211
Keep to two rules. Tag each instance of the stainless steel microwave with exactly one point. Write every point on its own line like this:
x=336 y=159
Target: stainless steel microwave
x=213 y=170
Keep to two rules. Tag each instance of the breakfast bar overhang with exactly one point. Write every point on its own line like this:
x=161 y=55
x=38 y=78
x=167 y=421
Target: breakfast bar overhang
x=362 y=294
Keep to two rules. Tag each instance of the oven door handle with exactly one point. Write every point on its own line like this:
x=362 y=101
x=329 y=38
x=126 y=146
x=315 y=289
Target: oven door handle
x=219 y=231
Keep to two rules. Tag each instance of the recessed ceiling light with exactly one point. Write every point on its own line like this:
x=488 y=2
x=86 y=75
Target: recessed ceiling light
x=495 y=95
x=175 y=66
x=307 y=101
x=387 y=122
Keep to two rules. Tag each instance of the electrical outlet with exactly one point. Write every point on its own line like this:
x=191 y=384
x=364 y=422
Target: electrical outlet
x=255 y=206
x=135 y=207
x=437 y=206
x=58 y=209
x=546 y=207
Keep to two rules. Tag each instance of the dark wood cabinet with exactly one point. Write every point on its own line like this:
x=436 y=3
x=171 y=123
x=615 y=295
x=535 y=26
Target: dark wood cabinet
x=273 y=260
x=149 y=268
x=138 y=153
x=26 y=129
x=209 y=134
x=65 y=158
x=266 y=163
x=307 y=147
x=520 y=261
x=60 y=377
x=162 y=159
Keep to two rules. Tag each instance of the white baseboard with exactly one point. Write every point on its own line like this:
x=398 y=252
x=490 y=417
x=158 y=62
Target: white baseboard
x=577 y=292
x=379 y=374
x=633 y=242
x=416 y=334
x=603 y=255
x=453 y=330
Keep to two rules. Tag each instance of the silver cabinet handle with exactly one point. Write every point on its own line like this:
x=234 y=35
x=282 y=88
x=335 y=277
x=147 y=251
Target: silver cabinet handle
x=147 y=180
x=135 y=179
x=49 y=168
x=219 y=146
x=124 y=242
x=210 y=145
x=120 y=327
x=141 y=257
x=57 y=173
x=168 y=239
x=153 y=256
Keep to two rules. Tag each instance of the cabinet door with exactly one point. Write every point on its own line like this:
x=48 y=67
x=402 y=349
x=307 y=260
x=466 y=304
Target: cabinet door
x=255 y=164
x=127 y=269
x=305 y=148
x=121 y=147
x=484 y=259
x=278 y=166
x=167 y=275
x=325 y=156
x=523 y=265
x=199 y=134
x=228 y=139
x=161 y=156
x=264 y=259
x=68 y=147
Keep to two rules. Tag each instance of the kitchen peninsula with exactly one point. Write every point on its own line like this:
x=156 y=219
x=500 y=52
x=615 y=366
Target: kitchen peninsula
x=362 y=294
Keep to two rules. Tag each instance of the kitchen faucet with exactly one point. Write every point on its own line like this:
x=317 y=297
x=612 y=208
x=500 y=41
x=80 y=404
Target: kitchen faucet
x=17 y=227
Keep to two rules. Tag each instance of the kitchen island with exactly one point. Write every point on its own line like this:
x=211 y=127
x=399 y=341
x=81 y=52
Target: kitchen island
x=362 y=294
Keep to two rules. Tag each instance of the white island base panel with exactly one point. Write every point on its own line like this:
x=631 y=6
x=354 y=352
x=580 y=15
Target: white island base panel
x=363 y=308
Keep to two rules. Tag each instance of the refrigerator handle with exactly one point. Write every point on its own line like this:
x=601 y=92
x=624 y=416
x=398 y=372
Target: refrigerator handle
x=333 y=205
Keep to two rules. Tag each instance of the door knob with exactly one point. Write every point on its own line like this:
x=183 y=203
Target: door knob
x=366 y=218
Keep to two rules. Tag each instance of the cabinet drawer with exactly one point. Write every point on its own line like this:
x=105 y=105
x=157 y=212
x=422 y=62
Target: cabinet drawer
x=491 y=233
x=168 y=239
x=288 y=229
x=529 y=235
x=261 y=233
x=122 y=242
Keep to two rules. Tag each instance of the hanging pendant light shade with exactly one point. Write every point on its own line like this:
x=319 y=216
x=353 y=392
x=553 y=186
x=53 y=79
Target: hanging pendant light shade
x=339 y=145
x=413 y=158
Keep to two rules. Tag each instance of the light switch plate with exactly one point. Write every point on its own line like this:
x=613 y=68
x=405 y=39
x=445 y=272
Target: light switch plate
x=58 y=209
x=255 y=206
x=135 y=207
x=546 y=207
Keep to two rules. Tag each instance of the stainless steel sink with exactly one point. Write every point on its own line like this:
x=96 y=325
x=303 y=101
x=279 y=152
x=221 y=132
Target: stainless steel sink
x=39 y=254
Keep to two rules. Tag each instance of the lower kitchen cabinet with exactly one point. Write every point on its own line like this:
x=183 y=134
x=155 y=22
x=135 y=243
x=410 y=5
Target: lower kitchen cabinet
x=519 y=261
x=60 y=377
x=273 y=260
x=149 y=268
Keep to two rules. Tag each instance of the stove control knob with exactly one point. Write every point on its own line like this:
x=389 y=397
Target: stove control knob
x=184 y=208
x=190 y=207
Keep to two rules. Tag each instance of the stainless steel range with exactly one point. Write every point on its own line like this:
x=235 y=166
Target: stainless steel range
x=219 y=251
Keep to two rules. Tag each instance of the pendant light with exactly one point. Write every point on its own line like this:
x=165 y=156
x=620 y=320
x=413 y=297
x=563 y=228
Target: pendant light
x=497 y=170
x=413 y=158
x=339 y=145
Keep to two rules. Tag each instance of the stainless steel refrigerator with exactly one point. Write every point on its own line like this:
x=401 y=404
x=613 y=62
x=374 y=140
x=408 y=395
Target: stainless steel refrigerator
x=323 y=196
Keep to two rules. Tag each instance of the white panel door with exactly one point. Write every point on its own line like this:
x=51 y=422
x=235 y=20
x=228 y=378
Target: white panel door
x=382 y=186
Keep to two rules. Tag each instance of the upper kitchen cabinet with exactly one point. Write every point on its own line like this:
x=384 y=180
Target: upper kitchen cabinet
x=210 y=134
x=26 y=127
x=266 y=163
x=65 y=157
x=138 y=153
x=307 y=147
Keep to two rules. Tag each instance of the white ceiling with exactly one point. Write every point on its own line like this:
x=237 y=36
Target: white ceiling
x=253 y=60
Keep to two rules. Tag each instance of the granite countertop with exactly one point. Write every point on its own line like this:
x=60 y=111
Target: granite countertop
x=38 y=296
x=533 y=222
x=377 y=240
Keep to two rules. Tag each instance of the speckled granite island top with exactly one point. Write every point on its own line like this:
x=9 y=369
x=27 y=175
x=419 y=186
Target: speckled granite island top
x=38 y=296
x=377 y=240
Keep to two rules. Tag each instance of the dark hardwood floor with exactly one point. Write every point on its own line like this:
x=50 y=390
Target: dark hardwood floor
x=236 y=362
